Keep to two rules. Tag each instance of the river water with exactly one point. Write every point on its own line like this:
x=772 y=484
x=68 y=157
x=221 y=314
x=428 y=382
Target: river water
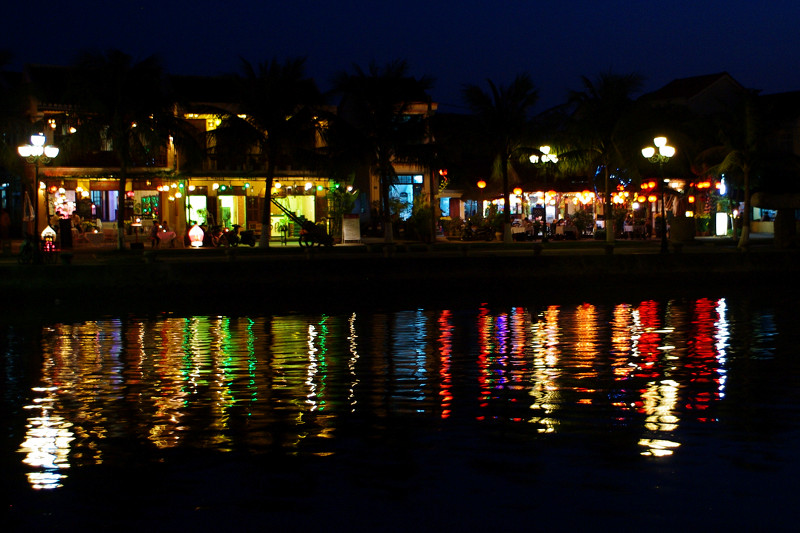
x=653 y=414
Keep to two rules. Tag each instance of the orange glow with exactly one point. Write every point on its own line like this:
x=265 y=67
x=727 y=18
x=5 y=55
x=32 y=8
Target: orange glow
x=691 y=199
x=517 y=191
x=481 y=184
x=641 y=198
x=652 y=198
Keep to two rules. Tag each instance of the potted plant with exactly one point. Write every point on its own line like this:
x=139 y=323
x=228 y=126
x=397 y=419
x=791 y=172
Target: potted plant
x=582 y=220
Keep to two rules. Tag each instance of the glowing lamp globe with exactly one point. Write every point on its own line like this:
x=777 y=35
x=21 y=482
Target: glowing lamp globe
x=196 y=235
x=481 y=184
x=49 y=234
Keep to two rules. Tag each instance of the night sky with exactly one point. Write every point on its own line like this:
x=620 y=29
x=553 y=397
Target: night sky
x=455 y=43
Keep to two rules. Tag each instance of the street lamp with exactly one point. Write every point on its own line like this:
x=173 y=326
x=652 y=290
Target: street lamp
x=36 y=153
x=665 y=152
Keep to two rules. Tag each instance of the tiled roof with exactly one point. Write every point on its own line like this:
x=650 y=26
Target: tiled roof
x=685 y=88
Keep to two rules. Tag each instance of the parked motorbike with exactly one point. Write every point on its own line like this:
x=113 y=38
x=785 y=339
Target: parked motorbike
x=248 y=237
x=232 y=236
x=474 y=233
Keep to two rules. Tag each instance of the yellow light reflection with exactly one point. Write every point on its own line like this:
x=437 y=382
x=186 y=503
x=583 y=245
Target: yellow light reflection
x=545 y=390
x=657 y=447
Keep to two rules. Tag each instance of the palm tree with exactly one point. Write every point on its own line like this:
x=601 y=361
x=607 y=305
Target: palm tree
x=601 y=129
x=125 y=103
x=739 y=155
x=374 y=116
x=277 y=105
x=504 y=118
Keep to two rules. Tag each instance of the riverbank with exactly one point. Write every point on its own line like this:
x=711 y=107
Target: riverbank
x=374 y=273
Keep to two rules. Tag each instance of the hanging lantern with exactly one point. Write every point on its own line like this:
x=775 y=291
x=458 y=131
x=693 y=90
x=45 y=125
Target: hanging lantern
x=481 y=184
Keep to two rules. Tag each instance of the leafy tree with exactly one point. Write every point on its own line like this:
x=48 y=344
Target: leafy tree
x=376 y=124
x=124 y=103
x=276 y=116
x=602 y=131
x=740 y=155
x=503 y=116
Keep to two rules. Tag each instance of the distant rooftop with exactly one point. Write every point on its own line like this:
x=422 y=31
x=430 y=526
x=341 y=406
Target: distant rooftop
x=702 y=94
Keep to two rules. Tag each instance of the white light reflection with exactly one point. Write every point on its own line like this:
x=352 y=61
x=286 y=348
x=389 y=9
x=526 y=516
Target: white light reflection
x=722 y=335
x=351 y=364
x=311 y=397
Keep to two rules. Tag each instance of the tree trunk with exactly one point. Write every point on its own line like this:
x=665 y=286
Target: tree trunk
x=266 y=225
x=608 y=214
x=744 y=240
x=506 y=203
x=266 y=219
x=388 y=230
x=121 y=201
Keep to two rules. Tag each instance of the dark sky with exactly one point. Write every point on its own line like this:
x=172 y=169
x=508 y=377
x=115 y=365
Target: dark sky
x=467 y=41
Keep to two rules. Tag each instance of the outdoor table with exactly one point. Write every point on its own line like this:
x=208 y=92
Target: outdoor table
x=166 y=236
x=95 y=239
x=571 y=229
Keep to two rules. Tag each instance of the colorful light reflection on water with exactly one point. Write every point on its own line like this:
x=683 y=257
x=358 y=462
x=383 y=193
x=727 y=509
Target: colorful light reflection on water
x=288 y=382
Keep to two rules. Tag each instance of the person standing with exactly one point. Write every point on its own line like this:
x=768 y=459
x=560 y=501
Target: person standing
x=154 y=238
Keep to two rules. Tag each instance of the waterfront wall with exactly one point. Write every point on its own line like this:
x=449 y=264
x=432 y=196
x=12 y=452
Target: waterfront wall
x=313 y=278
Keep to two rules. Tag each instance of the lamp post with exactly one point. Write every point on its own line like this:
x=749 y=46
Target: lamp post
x=665 y=152
x=543 y=158
x=36 y=152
